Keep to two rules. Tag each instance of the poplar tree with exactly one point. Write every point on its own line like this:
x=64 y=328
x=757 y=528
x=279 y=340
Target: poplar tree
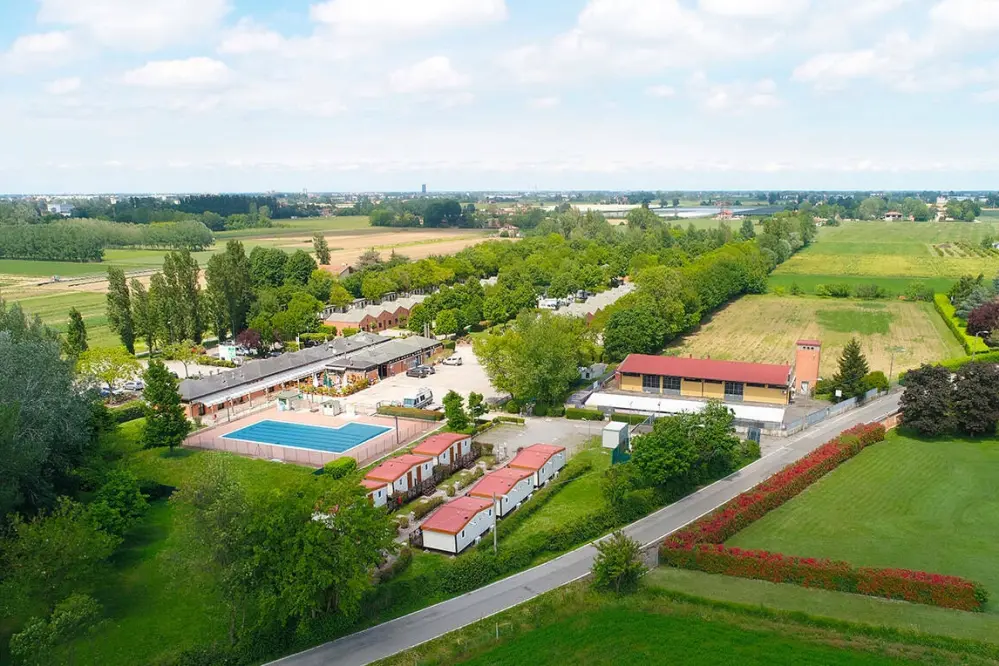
x=76 y=334
x=120 y=308
x=321 y=248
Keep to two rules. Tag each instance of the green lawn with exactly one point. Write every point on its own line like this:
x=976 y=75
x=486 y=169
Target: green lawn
x=891 y=250
x=54 y=311
x=832 y=605
x=580 y=497
x=866 y=319
x=302 y=226
x=909 y=503
x=893 y=285
x=574 y=625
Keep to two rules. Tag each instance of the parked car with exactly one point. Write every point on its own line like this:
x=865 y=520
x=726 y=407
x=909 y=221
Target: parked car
x=419 y=371
x=454 y=359
x=134 y=385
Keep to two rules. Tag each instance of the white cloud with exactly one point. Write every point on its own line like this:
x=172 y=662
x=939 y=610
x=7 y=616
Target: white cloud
x=63 y=86
x=660 y=91
x=736 y=96
x=248 y=37
x=968 y=15
x=393 y=17
x=547 y=102
x=44 y=49
x=431 y=75
x=754 y=8
x=141 y=25
x=189 y=73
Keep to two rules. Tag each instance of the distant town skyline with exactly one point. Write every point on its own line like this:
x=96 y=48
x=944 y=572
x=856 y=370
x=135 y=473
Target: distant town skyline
x=385 y=95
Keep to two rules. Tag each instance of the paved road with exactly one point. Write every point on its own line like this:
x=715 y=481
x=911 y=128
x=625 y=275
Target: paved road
x=405 y=632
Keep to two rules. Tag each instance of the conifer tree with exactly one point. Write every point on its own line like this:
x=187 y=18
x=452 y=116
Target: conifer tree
x=852 y=370
x=76 y=334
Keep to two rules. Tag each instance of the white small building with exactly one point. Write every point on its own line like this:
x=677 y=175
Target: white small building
x=445 y=447
x=378 y=491
x=511 y=486
x=615 y=435
x=402 y=473
x=542 y=460
x=458 y=524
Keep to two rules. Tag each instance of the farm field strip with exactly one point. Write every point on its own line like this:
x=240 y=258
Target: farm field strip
x=907 y=503
x=763 y=329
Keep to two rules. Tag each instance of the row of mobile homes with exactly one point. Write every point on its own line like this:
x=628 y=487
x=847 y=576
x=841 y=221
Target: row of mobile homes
x=403 y=476
x=446 y=448
x=543 y=461
x=458 y=524
x=509 y=487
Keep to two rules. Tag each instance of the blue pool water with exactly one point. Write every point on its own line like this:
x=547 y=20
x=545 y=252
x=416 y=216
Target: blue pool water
x=317 y=438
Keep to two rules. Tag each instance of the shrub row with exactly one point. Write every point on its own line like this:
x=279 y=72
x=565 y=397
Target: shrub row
x=947 y=311
x=630 y=419
x=955 y=364
x=425 y=506
x=583 y=414
x=509 y=419
x=127 y=412
x=914 y=586
x=750 y=506
x=541 y=497
x=214 y=361
x=340 y=467
x=411 y=413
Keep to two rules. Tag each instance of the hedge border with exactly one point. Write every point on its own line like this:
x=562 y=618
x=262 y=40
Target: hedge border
x=946 y=310
x=700 y=545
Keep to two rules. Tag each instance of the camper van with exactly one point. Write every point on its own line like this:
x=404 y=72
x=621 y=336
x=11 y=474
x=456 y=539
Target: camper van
x=420 y=399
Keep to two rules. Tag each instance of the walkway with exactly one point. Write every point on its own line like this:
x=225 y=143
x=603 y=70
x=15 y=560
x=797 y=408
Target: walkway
x=408 y=631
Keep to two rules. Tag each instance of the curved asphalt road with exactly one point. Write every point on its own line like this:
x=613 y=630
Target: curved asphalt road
x=408 y=631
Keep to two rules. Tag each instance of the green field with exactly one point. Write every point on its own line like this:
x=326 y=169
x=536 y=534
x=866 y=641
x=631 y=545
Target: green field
x=54 y=312
x=575 y=625
x=764 y=328
x=892 y=250
x=908 y=503
x=893 y=285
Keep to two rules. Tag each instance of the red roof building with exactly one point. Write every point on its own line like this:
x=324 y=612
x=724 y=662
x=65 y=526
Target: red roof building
x=394 y=469
x=535 y=456
x=499 y=483
x=454 y=516
x=439 y=443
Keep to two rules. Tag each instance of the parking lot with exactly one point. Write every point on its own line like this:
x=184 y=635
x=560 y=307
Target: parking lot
x=463 y=378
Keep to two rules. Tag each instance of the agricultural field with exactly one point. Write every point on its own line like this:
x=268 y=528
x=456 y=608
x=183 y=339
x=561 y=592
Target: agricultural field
x=903 y=252
x=928 y=505
x=763 y=329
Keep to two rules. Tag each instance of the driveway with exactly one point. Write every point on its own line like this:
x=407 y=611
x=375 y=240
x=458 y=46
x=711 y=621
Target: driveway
x=410 y=630
x=465 y=378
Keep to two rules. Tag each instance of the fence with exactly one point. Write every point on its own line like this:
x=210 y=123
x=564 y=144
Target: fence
x=405 y=430
x=820 y=415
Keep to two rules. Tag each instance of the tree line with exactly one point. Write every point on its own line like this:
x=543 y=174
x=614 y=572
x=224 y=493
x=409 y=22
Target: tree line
x=424 y=212
x=82 y=241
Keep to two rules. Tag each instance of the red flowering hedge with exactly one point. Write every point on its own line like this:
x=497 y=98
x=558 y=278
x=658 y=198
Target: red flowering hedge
x=699 y=545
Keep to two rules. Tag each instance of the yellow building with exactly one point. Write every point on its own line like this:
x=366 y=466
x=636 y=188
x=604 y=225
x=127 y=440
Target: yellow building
x=730 y=381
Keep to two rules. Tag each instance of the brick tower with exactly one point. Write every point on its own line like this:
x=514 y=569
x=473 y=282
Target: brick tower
x=806 y=366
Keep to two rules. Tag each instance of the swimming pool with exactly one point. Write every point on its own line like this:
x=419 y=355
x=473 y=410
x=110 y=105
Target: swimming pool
x=317 y=438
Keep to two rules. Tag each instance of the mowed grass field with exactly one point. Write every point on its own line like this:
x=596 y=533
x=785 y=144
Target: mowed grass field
x=764 y=329
x=54 y=312
x=908 y=503
x=897 y=250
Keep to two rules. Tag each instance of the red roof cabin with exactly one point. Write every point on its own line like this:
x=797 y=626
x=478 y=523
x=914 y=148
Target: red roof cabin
x=543 y=461
x=510 y=486
x=445 y=448
x=401 y=474
x=458 y=524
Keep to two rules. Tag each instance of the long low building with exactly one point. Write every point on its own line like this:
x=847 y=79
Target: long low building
x=729 y=381
x=373 y=318
x=457 y=524
x=392 y=358
x=256 y=380
x=771 y=416
x=508 y=486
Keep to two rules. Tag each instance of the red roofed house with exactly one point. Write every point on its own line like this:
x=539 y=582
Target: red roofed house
x=509 y=485
x=731 y=381
x=445 y=447
x=542 y=460
x=457 y=524
x=378 y=491
x=400 y=475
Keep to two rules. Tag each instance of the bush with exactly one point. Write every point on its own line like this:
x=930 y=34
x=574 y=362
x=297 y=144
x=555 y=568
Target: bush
x=946 y=310
x=913 y=586
x=127 y=412
x=425 y=506
x=540 y=410
x=509 y=419
x=401 y=563
x=870 y=291
x=630 y=419
x=618 y=565
x=512 y=407
x=955 y=364
x=341 y=467
x=876 y=380
x=449 y=345
x=839 y=290
x=583 y=414
x=796 y=289
x=411 y=413
x=214 y=362
x=402 y=522
x=347 y=332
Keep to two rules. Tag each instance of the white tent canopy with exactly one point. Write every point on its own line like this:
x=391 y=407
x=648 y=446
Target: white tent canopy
x=657 y=405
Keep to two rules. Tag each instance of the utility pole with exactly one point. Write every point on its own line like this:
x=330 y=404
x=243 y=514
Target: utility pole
x=495 y=519
x=891 y=366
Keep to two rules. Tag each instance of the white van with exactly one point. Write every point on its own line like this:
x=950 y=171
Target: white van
x=420 y=399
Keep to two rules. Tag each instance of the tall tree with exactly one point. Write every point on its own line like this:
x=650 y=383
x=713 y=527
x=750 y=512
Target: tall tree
x=321 y=249
x=109 y=365
x=852 y=370
x=120 y=308
x=927 y=403
x=339 y=296
x=144 y=315
x=747 y=232
x=166 y=423
x=76 y=334
x=454 y=411
x=229 y=283
x=976 y=399
x=299 y=268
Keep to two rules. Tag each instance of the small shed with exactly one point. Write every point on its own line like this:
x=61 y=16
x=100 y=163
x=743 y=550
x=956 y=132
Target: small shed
x=286 y=398
x=615 y=435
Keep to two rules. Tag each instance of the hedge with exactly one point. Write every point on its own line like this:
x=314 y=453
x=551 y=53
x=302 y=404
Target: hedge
x=425 y=506
x=411 y=413
x=509 y=419
x=127 y=412
x=913 y=586
x=583 y=414
x=700 y=545
x=955 y=364
x=340 y=467
x=630 y=419
x=956 y=326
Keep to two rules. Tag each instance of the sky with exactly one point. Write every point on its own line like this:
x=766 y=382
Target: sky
x=369 y=95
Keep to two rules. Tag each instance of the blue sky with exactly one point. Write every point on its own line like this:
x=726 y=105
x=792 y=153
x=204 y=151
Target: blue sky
x=247 y=95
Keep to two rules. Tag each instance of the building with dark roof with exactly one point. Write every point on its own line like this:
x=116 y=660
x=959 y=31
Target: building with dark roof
x=384 y=360
x=730 y=381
